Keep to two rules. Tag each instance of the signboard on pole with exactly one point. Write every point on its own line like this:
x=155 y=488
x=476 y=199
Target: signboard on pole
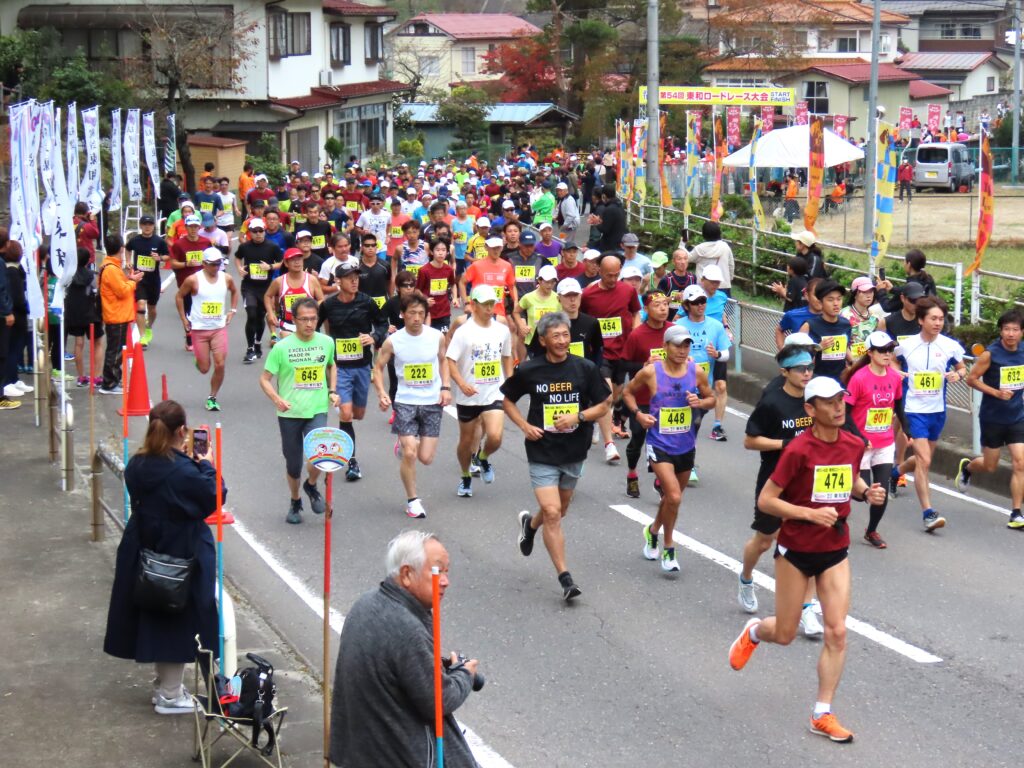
x=839 y=125
x=728 y=96
x=906 y=118
x=934 y=117
x=767 y=119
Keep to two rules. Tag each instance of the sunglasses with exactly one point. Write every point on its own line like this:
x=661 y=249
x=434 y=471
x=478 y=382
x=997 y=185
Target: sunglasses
x=407 y=285
x=257 y=230
x=884 y=350
x=699 y=301
x=801 y=369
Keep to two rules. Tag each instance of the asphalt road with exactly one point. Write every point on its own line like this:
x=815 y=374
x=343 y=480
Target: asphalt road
x=635 y=672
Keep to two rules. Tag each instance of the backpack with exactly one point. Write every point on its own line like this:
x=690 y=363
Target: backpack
x=254 y=701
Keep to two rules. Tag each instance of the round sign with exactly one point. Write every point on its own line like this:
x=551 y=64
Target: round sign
x=328 y=449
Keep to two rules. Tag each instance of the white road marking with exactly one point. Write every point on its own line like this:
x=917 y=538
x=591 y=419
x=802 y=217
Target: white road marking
x=855 y=625
x=484 y=754
x=166 y=282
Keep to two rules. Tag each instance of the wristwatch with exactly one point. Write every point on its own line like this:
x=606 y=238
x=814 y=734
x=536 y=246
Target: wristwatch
x=449 y=389
x=579 y=415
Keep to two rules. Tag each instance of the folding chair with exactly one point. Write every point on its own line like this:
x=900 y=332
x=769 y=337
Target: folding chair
x=212 y=724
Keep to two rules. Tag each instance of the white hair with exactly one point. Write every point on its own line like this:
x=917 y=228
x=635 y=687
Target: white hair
x=407 y=548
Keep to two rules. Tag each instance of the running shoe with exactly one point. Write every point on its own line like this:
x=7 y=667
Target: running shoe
x=669 y=564
x=12 y=391
x=464 y=490
x=316 y=501
x=180 y=705
x=26 y=388
x=717 y=433
x=876 y=541
x=694 y=480
x=250 y=356
x=570 y=591
x=1016 y=520
x=962 y=481
x=809 y=624
x=114 y=390
x=82 y=381
x=743 y=647
x=294 y=516
x=258 y=347
x=474 y=465
x=747 y=596
x=894 y=482
x=353 y=472
x=6 y=404
x=650 y=544
x=415 y=509
x=828 y=725
x=933 y=522
x=611 y=454
x=147 y=337
x=526 y=533
x=633 y=487
x=212 y=404
x=486 y=471
x=595 y=437
x=69 y=355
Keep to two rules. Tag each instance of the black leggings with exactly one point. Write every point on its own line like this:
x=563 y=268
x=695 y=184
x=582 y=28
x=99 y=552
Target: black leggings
x=637 y=436
x=255 y=315
x=879 y=473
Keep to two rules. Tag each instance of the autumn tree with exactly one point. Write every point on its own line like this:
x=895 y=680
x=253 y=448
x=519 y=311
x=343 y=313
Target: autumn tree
x=527 y=67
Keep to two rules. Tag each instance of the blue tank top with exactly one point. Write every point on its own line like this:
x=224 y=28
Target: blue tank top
x=673 y=417
x=1005 y=372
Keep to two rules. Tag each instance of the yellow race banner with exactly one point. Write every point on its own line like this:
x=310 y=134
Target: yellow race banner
x=755 y=201
x=885 y=185
x=721 y=150
x=666 y=195
x=692 y=160
x=714 y=96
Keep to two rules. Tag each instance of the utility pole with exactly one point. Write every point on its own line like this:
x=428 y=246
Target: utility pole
x=1015 y=141
x=653 y=107
x=871 y=156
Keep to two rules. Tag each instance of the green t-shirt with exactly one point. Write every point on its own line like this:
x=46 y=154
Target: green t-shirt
x=543 y=208
x=301 y=371
x=536 y=307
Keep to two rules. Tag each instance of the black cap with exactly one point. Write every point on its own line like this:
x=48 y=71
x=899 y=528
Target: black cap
x=345 y=269
x=146 y=219
x=825 y=287
x=913 y=291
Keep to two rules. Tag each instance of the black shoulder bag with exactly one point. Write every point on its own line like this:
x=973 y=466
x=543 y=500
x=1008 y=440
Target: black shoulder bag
x=163 y=582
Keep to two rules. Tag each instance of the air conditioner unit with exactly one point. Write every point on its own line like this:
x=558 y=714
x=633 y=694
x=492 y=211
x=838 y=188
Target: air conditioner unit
x=326 y=77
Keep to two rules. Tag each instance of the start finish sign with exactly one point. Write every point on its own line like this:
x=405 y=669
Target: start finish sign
x=700 y=94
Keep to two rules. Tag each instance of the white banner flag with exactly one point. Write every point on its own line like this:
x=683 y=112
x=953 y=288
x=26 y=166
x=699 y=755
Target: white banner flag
x=74 y=169
x=115 y=160
x=63 y=243
x=131 y=155
x=32 y=212
x=46 y=141
x=91 y=190
x=21 y=167
x=149 y=146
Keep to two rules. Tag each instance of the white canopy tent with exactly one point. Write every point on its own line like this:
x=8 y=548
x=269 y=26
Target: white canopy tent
x=791 y=148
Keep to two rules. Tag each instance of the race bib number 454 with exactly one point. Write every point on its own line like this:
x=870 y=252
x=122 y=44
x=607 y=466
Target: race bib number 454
x=832 y=483
x=611 y=327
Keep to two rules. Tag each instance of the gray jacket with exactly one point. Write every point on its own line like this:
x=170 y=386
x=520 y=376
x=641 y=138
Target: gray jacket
x=382 y=706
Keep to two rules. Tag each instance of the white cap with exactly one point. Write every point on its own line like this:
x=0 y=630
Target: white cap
x=410 y=191
x=822 y=386
x=494 y=242
x=260 y=176
x=303 y=233
x=385 y=183
x=256 y=223
x=677 y=334
x=561 y=185
x=213 y=255
x=799 y=340
x=544 y=225
x=483 y=221
x=591 y=253
x=879 y=340
x=692 y=292
x=427 y=193
x=192 y=219
x=630 y=271
x=568 y=285
x=508 y=204
x=547 y=272
x=712 y=273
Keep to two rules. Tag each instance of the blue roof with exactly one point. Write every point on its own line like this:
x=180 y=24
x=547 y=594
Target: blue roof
x=522 y=114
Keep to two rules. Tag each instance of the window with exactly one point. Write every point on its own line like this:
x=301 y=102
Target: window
x=884 y=43
x=103 y=44
x=288 y=34
x=304 y=146
x=421 y=29
x=970 y=31
x=469 y=61
x=362 y=130
x=990 y=84
x=373 y=42
x=816 y=95
x=947 y=30
x=430 y=66
x=741 y=82
x=341 y=45
x=846 y=44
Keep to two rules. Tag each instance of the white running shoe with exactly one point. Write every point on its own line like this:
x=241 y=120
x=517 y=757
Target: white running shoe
x=747 y=596
x=611 y=454
x=415 y=509
x=181 y=705
x=12 y=391
x=669 y=564
x=809 y=624
x=650 y=544
x=25 y=388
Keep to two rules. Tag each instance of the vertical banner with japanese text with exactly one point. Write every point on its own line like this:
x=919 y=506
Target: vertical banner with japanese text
x=839 y=125
x=906 y=118
x=767 y=119
x=22 y=228
x=48 y=211
x=934 y=117
x=115 y=160
x=170 y=146
x=885 y=186
x=755 y=200
x=63 y=244
x=131 y=156
x=721 y=150
x=666 y=194
x=732 y=120
x=74 y=166
x=149 y=148
x=91 y=190
x=639 y=169
x=986 y=213
x=692 y=160
x=801 y=113
x=815 y=172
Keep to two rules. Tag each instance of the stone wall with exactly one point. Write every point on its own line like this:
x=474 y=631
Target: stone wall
x=972 y=107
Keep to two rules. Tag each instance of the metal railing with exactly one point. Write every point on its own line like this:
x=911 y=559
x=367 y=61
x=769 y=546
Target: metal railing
x=62 y=437
x=978 y=294
x=104 y=457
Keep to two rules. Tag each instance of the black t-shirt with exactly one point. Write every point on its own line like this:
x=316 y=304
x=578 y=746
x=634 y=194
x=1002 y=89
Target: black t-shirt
x=896 y=325
x=348 y=320
x=777 y=416
x=145 y=246
x=313 y=263
x=374 y=281
x=393 y=312
x=831 y=360
x=321 y=232
x=795 y=293
x=572 y=385
x=584 y=281
x=584 y=330
x=253 y=253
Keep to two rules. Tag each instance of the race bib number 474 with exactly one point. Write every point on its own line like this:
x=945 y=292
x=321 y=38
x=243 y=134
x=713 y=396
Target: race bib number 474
x=833 y=483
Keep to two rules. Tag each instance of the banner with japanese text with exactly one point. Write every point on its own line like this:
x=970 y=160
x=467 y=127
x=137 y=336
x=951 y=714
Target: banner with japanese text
x=885 y=186
x=21 y=229
x=721 y=150
x=666 y=194
x=717 y=96
x=131 y=156
x=63 y=244
x=934 y=117
x=639 y=170
x=906 y=118
x=149 y=148
x=732 y=121
x=48 y=210
x=74 y=163
x=91 y=190
x=801 y=113
x=755 y=201
x=692 y=160
x=170 y=147
x=986 y=214
x=767 y=119
x=815 y=172
x=115 y=160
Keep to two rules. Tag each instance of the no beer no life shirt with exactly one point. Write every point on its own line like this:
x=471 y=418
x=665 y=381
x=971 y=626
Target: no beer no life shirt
x=570 y=386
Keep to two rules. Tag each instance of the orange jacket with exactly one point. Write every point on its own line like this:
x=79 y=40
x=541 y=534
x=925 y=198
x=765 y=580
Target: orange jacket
x=117 y=292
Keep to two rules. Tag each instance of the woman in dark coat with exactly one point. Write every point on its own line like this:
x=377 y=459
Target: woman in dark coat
x=19 y=331
x=171 y=495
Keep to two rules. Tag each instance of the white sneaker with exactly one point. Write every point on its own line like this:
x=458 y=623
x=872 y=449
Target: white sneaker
x=809 y=624
x=747 y=596
x=650 y=544
x=181 y=705
x=415 y=509
x=12 y=391
x=669 y=564
x=25 y=388
x=595 y=437
x=611 y=454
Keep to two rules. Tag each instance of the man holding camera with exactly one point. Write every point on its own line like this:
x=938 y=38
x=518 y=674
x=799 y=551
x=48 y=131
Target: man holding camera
x=382 y=706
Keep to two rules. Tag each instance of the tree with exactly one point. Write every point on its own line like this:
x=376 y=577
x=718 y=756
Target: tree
x=528 y=70
x=465 y=110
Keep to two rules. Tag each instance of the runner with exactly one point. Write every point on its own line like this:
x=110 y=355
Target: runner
x=493 y=271
x=998 y=373
x=810 y=489
x=830 y=330
x=413 y=253
x=374 y=274
x=406 y=284
x=875 y=394
x=550 y=250
x=566 y=396
x=526 y=264
x=793 y=319
x=927 y=359
x=901 y=325
x=311 y=260
x=675 y=282
x=375 y=221
x=423 y=391
x=147 y=251
x=591 y=267
x=710 y=280
x=256 y=259
x=436 y=281
x=778 y=418
x=673 y=387
x=864 y=315
x=229 y=206
x=535 y=304
x=287 y=289
x=341 y=253
x=306 y=382
x=186 y=259
x=208 y=318
x=480 y=359
x=357 y=325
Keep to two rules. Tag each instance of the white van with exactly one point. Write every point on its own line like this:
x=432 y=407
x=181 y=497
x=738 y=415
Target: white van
x=942 y=166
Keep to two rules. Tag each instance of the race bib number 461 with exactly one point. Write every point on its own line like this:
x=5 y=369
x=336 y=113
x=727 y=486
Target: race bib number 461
x=927 y=383
x=832 y=483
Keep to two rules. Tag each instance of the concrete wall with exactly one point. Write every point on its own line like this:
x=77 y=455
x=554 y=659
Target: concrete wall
x=972 y=107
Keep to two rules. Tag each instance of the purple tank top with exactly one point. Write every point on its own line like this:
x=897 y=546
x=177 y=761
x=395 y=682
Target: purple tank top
x=673 y=428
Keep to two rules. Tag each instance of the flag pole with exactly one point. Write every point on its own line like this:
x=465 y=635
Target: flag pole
x=124 y=419
x=326 y=684
x=220 y=547
x=438 y=704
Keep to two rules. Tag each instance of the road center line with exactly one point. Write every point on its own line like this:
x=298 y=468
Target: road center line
x=854 y=625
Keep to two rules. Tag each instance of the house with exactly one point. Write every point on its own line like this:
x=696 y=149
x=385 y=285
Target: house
x=950 y=26
x=967 y=74
x=923 y=93
x=314 y=70
x=439 y=50
x=505 y=122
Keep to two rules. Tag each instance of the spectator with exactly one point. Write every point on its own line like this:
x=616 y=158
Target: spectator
x=807 y=247
x=16 y=321
x=905 y=175
x=792 y=293
x=117 y=293
x=610 y=222
x=714 y=250
x=7 y=320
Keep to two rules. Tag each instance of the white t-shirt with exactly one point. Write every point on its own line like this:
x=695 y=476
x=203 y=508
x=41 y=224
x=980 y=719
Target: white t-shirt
x=377 y=225
x=226 y=217
x=477 y=351
x=331 y=264
x=926 y=364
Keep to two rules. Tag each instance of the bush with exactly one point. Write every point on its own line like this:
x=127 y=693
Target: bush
x=268 y=159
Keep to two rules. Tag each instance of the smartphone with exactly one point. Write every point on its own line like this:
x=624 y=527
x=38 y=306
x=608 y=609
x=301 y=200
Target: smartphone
x=881 y=273
x=200 y=441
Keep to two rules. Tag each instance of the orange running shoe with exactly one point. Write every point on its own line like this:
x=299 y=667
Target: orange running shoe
x=742 y=647
x=901 y=482
x=828 y=725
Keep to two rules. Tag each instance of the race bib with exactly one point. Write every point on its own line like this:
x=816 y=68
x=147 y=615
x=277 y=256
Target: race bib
x=858 y=348
x=193 y=258
x=487 y=371
x=675 y=300
x=461 y=237
x=1011 y=377
x=526 y=272
x=878 y=420
x=611 y=327
x=832 y=483
x=554 y=410
x=206 y=207
x=148 y=263
x=927 y=383
x=379 y=301
x=396 y=231
x=576 y=348
x=309 y=376
x=258 y=272
x=833 y=347
x=414 y=268
x=553 y=261
x=658 y=352
x=418 y=374
x=291 y=298
x=211 y=309
x=674 y=421
x=352 y=205
x=348 y=349
x=706 y=367
x=319 y=241
x=439 y=286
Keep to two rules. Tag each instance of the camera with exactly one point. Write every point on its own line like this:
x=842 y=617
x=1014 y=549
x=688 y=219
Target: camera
x=478 y=678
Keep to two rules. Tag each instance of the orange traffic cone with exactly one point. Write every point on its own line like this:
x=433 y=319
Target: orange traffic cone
x=138 y=387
